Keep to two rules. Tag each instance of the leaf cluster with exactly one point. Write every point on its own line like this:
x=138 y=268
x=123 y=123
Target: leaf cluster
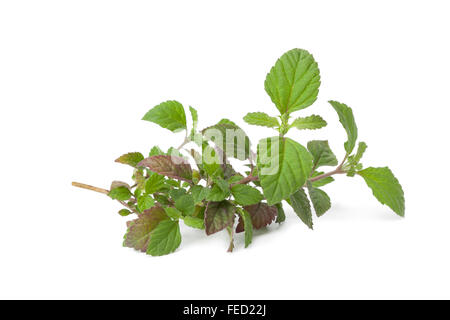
x=196 y=185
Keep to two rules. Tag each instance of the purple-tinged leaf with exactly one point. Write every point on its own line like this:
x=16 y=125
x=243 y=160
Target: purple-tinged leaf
x=132 y=158
x=139 y=230
x=117 y=184
x=170 y=166
x=261 y=214
x=218 y=216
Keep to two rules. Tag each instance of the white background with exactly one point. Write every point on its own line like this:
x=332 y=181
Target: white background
x=77 y=76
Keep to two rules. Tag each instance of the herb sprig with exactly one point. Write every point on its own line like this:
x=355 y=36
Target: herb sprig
x=198 y=186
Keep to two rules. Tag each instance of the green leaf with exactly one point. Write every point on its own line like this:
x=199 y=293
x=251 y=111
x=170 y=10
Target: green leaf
x=165 y=239
x=261 y=119
x=196 y=176
x=194 y=222
x=217 y=194
x=222 y=184
x=185 y=204
x=229 y=122
x=354 y=160
x=125 y=212
x=199 y=193
x=248 y=226
x=194 y=116
x=281 y=217
x=121 y=193
x=211 y=162
x=228 y=171
x=246 y=195
x=322 y=154
x=169 y=115
x=154 y=183
x=199 y=212
x=293 y=82
x=385 y=188
x=137 y=193
x=170 y=166
x=145 y=202
x=173 y=213
x=312 y=122
x=139 y=230
x=353 y=163
x=156 y=151
x=131 y=159
x=320 y=200
x=348 y=122
x=283 y=167
x=261 y=214
x=174 y=152
x=230 y=138
x=175 y=194
x=218 y=216
x=162 y=199
x=185 y=184
x=300 y=203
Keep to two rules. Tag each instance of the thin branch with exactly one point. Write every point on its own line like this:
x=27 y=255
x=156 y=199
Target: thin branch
x=185 y=142
x=342 y=163
x=245 y=180
x=319 y=177
x=338 y=170
x=231 y=234
x=100 y=190
x=328 y=174
x=127 y=206
x=88 y=187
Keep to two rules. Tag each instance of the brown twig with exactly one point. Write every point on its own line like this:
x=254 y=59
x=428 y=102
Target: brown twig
x=104 y=191
x=245 y=180
x=88 y=187
x=231 y=234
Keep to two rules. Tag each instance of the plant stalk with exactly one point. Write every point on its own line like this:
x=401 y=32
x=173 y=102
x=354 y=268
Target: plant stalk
x=88 y=187
x=328 y=174
x=101 y=190
x=245 y=180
